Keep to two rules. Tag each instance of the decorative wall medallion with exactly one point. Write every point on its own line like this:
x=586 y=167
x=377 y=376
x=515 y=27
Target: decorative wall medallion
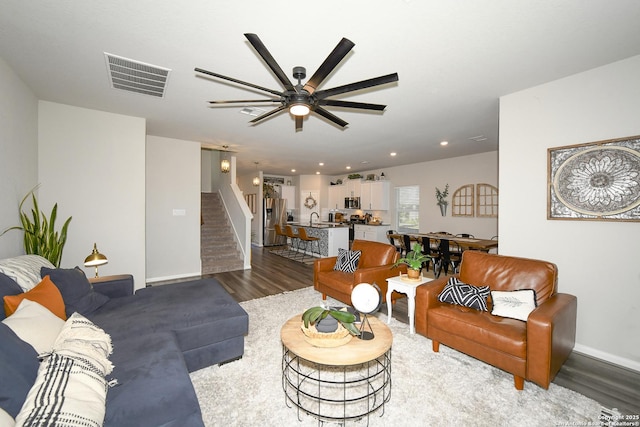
x=595 y=181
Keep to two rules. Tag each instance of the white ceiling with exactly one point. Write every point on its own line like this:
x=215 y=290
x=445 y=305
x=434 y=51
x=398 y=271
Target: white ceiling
x=454 y=60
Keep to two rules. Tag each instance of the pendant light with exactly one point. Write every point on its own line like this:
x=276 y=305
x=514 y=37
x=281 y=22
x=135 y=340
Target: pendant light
x=225 y=166
x=256 y=179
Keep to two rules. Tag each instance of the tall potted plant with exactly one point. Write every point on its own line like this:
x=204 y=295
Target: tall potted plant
x=40 y=235
x=441 y=197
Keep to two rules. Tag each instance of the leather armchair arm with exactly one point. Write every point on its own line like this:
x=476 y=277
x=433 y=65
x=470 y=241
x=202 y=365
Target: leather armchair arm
x=551 y=335
x=426 y=298
x=324 y=264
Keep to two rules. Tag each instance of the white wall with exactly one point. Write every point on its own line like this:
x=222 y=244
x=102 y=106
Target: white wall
x=597 y=261
x=18 y=154
x=172 y=208
x=92 y=164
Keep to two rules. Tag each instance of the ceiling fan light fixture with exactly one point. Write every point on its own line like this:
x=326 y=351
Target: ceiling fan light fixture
x=299 y=109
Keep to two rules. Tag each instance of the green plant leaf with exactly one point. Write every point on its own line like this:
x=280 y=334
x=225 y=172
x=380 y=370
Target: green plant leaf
x=40 y=236
x=311 y=315
x=343 y=316
x=351 y=327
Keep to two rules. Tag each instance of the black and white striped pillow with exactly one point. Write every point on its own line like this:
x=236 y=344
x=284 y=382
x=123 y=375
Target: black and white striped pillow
x=68 y=391
x=460 y=293
x=347 y=260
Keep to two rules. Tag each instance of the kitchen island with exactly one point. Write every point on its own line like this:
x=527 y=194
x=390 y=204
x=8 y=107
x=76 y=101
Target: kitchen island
x=332 y=236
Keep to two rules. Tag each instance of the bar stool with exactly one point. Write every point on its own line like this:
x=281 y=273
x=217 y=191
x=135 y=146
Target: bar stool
x=281 y=235
x=308 y=240
x=295 y=240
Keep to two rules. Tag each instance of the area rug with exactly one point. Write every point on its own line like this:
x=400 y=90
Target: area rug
x=428 y=389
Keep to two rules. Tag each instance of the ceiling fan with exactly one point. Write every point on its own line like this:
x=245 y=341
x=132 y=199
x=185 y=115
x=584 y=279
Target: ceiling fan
x=301 y=99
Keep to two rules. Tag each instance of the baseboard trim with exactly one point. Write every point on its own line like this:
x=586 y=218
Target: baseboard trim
x=608 y=357
x=174 y=277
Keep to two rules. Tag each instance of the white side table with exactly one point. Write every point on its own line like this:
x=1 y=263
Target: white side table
x=406 y=286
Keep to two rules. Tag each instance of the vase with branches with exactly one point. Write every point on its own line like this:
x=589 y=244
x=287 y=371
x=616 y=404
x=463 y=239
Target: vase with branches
x=40 y=235
x=441 y=197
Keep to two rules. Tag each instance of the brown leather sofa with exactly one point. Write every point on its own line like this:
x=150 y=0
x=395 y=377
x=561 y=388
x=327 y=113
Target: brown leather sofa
x=375 y=266
x=533 y=350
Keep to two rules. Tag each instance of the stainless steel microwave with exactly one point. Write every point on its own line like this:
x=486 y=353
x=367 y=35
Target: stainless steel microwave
x=352 y=202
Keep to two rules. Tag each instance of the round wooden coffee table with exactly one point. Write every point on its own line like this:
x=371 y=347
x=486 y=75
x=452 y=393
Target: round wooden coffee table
x=336 y=383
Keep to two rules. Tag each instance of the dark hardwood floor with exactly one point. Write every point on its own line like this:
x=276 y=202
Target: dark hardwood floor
x=610 y=385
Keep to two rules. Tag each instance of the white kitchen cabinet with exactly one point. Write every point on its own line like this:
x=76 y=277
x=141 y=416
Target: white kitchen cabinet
x=352 y=187
x=288 y=192
x=374 y=195
x=336 y=196
x=375 y=233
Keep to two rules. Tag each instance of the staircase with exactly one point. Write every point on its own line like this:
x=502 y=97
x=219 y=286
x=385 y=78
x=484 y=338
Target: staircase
x=218 y=248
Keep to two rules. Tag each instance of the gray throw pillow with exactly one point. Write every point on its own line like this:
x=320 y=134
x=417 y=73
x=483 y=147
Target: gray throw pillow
x=18 y=370
x=8 y=286
x=77 y=292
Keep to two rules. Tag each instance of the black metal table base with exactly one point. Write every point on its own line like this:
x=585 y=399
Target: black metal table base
x=336 y=393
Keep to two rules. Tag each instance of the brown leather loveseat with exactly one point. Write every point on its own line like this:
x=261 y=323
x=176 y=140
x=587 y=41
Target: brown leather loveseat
x=533 y=350
x=374 y=266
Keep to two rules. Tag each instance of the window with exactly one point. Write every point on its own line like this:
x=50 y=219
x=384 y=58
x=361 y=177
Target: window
x=407 y=207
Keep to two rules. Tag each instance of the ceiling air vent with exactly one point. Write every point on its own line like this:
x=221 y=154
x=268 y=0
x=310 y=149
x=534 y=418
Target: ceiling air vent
x=136 y=76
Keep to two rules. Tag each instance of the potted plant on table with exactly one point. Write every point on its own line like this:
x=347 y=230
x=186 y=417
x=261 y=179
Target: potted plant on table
x=413 y=260
x=330 y=317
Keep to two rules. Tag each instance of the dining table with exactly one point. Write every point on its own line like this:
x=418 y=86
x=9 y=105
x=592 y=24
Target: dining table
x=444 y=242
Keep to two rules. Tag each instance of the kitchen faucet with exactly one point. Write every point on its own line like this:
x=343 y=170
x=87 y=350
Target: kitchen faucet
x=311 y=217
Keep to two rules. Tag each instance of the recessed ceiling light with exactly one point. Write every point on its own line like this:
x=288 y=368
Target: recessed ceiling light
x=348 y=167
x=293 y=170
x=317 y=172
x=392 y=154
x=320 y=164
x=443 y=143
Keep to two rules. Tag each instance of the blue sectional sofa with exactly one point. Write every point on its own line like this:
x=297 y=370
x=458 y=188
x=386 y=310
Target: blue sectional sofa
x=159 y=334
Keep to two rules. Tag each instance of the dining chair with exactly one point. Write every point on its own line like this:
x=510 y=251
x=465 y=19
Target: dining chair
x=406 y=244
x=455 y=256
x=466 y=235
x=392 y=240
x=431 y=247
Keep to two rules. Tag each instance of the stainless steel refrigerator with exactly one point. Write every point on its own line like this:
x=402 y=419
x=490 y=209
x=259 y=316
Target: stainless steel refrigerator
x=274 y=212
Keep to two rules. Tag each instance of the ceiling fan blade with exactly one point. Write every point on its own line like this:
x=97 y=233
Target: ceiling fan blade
x=376 y=81
x=271 y=62
x=244 y=101
x=351 y=104
x=299 y=120
x=231 y=79
x=268 y=114
x=334 y=58
x=327 y=115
